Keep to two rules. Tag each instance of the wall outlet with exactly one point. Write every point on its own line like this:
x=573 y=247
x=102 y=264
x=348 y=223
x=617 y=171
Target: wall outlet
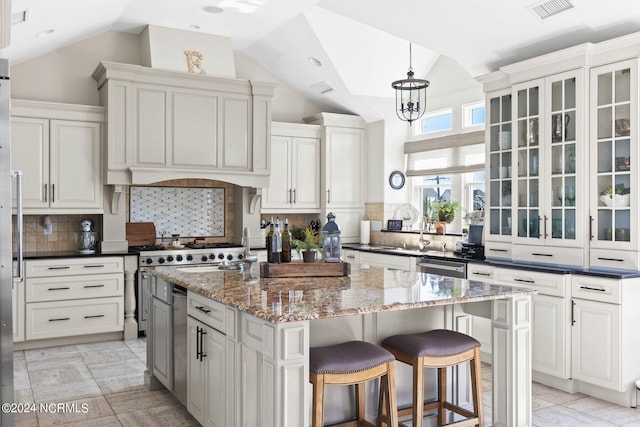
x=376 y=225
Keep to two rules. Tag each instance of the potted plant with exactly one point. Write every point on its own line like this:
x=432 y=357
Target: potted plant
x=446 y=209
x=308 y=246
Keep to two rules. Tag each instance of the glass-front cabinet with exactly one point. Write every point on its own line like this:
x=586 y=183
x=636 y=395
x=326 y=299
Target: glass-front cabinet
x=614 y=156
x=549 y=207
x=500 y=166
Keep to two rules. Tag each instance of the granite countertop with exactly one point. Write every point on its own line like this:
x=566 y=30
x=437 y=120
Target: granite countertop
x=366 y=290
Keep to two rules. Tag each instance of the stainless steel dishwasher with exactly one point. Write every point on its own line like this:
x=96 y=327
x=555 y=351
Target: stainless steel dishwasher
x=179 y=296
x=442 y=267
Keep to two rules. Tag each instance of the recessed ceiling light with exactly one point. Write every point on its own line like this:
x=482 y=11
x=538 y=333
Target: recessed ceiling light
x=213 y=9
x=314 y=61
x=45 y=33
x=194 y=27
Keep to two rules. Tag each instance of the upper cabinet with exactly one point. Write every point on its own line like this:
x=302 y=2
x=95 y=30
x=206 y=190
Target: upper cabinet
x=295 y=169
x=614 y=165
x=58 y=149
x=164 y=125
x=561 y=169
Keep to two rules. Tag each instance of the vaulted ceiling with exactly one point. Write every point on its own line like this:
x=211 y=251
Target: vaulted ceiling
x=362 y=45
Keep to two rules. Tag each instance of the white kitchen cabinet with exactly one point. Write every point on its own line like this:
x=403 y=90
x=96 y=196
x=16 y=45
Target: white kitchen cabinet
x=60 y=158
x=343 y=171
x=551 y=339
x=162 y=355
x=399 y=262
x=206 y=374
x=73 y=296
x=295 y=169
x=350 y=255
x=615 y=240
x=536 y=167
x=164 y=125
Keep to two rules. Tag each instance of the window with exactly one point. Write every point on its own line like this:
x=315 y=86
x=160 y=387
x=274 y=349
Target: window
x=434 y=188
x=436 y=122
x=475 y=190
x=473 y=115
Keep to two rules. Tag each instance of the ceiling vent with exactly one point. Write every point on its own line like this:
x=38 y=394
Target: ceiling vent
x=19 y=17
x=547 y=9
x=322 y=87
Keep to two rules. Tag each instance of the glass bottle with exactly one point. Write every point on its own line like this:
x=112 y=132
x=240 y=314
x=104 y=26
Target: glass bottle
x=286 y=242
x=276 y=245
x=269 y=241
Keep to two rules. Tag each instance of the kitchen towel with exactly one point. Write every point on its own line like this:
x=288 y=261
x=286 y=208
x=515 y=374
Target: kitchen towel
x=365 y=232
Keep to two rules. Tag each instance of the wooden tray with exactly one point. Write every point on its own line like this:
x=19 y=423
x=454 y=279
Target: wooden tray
x=305 y=269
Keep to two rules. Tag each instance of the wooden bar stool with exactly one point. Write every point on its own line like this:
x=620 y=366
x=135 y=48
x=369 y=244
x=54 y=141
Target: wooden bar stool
x=439 y=349
x=352 y=363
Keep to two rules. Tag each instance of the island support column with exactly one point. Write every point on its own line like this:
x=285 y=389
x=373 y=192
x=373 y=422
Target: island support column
x=511 y=332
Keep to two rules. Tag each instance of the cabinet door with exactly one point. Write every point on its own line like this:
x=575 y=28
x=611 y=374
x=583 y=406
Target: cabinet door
x=596 y=343
x=551 y=336
x=344 y=152
x=565 y=147
x=150 y=131
x=236 y=141
x=215 y=375
x=162 y=344
x=500 y=166
x=30 y=154
x=196 y=381
x=305 y=173
x=614 y=150
x=528 y=201
x=278 y=195
x=75 y=165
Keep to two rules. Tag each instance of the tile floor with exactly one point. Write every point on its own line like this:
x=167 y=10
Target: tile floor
x=107 y=379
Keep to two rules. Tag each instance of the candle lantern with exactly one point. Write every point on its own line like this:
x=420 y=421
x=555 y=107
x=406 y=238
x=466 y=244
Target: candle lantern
x=330 y=238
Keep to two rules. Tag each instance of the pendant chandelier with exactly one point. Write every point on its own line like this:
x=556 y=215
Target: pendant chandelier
x=411 y=96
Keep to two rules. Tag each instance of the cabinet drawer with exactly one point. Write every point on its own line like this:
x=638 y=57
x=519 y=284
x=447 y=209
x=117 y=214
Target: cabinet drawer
x=548 y=255
x=596 y=288
x=74 y=287
x=209 y=312
x=73 y=266
x=77 y=317
x=390 y=261
x=481 y=272
x=349 y=255
x=546 y=283
x=607 y=258
x=499 y=250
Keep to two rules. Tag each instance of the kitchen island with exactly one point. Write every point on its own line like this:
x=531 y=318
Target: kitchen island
x=266 y=327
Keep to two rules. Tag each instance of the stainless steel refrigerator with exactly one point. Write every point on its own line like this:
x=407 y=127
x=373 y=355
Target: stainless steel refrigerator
x=8 y=187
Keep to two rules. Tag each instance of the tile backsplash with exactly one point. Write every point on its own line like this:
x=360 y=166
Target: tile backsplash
x=63 y=229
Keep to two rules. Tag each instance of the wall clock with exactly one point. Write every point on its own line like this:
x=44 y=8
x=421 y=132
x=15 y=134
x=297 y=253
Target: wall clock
x=396 y=180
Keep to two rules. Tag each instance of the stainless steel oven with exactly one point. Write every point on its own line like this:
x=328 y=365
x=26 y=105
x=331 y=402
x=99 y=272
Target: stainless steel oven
x=442 y=267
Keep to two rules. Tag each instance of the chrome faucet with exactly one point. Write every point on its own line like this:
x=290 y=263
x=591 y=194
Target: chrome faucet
x=422 y=242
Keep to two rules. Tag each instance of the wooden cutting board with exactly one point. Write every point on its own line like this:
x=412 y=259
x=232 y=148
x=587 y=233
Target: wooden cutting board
x=305 y=269
x=141 y=233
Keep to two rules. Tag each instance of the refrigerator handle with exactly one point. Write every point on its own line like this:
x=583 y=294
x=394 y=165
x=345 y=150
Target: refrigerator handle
x=19 y=223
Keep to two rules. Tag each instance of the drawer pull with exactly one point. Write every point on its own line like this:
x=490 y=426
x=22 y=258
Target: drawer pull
x=497 y=250
x=94 y=286
x=589 y=288
x=477 y=273
x=610 y=259
x=524 y=280
x=95 y=316
x=351 y=256
x=539 y=254
x=64 y=267
x=59 y=319
x=202 y=309
x=59 y=289
x=94 y=266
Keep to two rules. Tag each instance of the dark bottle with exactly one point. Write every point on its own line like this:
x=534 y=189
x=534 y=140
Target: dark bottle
x=286 y=242
x=276 y=245
x=268 y=242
